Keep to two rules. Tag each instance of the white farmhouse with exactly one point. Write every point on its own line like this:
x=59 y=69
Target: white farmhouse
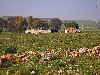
x=33 y=31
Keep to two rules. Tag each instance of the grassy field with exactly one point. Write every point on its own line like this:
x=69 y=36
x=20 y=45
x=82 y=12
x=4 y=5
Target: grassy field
x=87 y=38
x=60 y=64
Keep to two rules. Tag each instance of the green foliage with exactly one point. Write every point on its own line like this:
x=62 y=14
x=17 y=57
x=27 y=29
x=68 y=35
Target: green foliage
x=20 y=24
x=10 y=25
x=37 y=23
x=17 y=24
x=30 y=22
x=11 y=49
x=3 y=23
x=55 y=23
x=0 y=30
x=71 y=24
x=83 y=65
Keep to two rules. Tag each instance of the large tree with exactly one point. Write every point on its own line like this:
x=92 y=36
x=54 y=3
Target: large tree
x=37 y=23
x=20 y=24
x=55 y=23
x=11 y=24
x=3 y=23
x=45 y=25
x=40 y=24
x=17 y=24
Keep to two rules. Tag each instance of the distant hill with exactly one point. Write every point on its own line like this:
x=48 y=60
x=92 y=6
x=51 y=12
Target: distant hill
x=84 y=23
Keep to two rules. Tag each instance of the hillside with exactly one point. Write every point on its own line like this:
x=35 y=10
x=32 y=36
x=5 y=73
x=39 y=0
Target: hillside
x=85 y=23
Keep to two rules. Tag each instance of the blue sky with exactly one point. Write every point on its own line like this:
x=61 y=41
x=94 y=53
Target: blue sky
x=63 y=9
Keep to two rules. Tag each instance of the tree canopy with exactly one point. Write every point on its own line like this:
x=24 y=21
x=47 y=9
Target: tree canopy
x=16 y=24
x=3 y=23
x=72 y=24
x=55 y=23
x=20 y=24
x=30 y=22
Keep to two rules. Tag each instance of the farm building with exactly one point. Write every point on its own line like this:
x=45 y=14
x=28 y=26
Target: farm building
x=71 y=30
x=33 y=31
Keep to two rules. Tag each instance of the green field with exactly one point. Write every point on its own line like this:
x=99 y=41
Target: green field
x=86 y=38
x=61 y=64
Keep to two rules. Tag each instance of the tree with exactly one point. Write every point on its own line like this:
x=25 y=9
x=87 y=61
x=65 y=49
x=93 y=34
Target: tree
x=75 y=25
x=30 y=22
x=55 y=23
x=37 y=23
x=25 y=23
x=11 y=24
x=17 y=24
x=40 y=24
x=20 y=24
x=3 y=23
x=72 y=24
x=45 y=25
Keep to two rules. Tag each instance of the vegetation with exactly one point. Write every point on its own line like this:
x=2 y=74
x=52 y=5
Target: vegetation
x=20 y=24
x=55 y=24
x=61 y=63
x=83 y=24
x=0 y=30
x=71 y=24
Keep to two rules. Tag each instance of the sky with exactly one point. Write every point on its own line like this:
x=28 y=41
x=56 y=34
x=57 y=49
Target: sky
x=63 y=9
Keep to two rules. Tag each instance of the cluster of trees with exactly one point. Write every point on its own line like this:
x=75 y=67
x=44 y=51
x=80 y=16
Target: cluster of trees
x=3 y=23
x=20 y=24
x=14 y=24
x=37 y=23
x=17 y=24
x=71 y=24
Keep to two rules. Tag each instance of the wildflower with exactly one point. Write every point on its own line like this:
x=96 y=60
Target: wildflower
x=47 y=58
x=60 y=48
x=74 y=70
x=33 y=72
x=60 y=71
x=76 y=73
x=49 y=66
x=91 y=66
x=78 y=70
x=30 y=52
